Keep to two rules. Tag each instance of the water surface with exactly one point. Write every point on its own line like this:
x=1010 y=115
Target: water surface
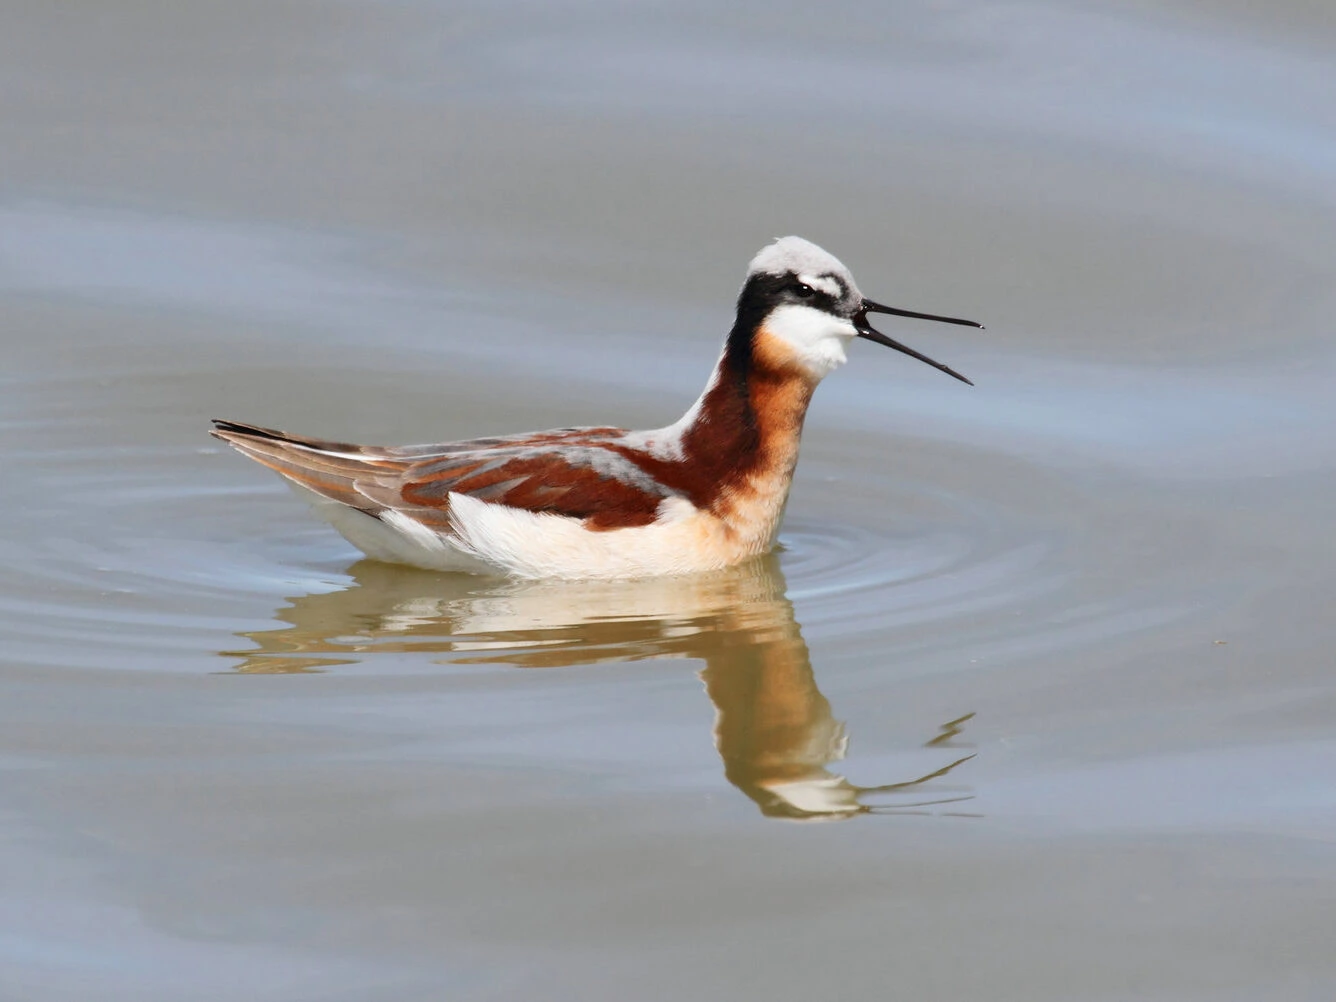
x=1054 y=654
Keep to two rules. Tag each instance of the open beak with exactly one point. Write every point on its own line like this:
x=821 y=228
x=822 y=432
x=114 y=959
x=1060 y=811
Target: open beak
x=866 y=330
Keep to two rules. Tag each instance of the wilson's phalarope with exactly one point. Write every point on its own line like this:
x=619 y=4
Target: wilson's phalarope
x=703 y=493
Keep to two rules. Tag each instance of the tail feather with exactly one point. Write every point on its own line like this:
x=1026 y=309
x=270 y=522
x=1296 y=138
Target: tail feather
x=366 y=453
x=330 y=469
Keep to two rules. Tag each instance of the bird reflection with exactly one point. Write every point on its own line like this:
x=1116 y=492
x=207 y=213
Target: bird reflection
x=773 y=728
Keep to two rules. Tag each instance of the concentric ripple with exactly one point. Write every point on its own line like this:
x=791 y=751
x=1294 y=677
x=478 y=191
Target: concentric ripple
x=184 y=555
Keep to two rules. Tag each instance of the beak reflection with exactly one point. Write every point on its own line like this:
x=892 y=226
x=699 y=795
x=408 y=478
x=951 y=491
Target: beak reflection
x=774 y=730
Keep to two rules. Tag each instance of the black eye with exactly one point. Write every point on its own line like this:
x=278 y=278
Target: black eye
x=803 y=291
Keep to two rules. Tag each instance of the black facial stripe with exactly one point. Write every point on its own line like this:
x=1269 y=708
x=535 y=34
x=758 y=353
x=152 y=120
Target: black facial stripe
x=759 y=296
x=823 y=301
x=763 y=292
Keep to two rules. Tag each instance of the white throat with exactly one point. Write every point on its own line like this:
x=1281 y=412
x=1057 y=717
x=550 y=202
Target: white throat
x=815 y=338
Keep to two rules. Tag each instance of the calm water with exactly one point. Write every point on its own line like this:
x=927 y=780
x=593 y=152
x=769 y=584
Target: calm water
x=1055 y=655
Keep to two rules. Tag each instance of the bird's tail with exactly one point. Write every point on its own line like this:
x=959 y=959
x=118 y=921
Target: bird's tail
x=349 y=474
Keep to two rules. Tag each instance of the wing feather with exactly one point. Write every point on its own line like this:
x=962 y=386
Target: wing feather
x=584 y=473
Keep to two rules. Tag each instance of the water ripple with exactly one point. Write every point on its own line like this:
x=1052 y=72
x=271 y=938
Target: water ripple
x=177 y=556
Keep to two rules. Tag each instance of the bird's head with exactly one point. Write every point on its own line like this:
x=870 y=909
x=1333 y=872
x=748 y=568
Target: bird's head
x=800 y=307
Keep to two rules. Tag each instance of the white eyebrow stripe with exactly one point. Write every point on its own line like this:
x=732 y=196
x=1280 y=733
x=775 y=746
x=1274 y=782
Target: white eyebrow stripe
x=823 y=283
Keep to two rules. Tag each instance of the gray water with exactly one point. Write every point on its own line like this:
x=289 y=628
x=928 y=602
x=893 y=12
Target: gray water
x=1053 y=655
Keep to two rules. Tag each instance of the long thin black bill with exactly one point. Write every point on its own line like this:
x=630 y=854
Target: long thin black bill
x=866 y=330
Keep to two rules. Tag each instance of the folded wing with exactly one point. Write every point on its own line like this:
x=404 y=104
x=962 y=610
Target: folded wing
x=584 y=473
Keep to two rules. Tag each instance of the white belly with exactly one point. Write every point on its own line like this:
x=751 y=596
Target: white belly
x=397 y=541
x=682 y=540
x=495 y=539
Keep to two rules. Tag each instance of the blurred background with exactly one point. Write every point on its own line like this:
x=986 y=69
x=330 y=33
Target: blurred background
x=1056 y=651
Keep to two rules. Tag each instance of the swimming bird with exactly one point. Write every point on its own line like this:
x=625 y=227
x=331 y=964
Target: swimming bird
x=703 y=493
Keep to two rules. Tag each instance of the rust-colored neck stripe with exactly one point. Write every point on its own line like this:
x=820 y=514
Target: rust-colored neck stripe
x=748 y=425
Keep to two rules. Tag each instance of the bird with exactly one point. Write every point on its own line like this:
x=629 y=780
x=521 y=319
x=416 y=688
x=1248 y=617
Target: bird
x=703 y=493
